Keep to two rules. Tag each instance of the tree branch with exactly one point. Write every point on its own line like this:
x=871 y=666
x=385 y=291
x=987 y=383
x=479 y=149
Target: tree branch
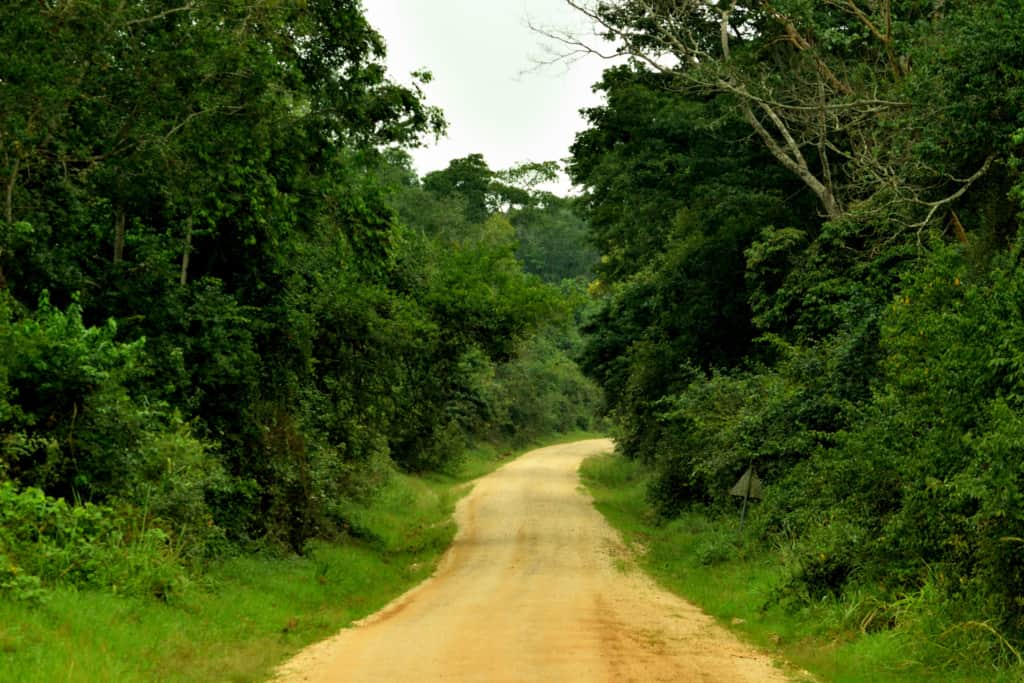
x=884 y=38
x=157 y=17
x=966 y=185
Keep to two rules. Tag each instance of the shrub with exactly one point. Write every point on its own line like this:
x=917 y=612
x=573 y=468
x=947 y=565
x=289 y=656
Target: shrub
x=46 y=542
x=69 y=425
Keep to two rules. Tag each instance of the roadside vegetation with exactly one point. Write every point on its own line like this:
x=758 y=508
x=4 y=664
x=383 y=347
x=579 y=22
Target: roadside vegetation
x=248 y=612
x=809 y=220
x=744 y=583
x=238 y=331
x=244 y=347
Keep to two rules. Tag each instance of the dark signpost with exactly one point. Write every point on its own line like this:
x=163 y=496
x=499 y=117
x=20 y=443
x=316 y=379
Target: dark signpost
x=749 y=486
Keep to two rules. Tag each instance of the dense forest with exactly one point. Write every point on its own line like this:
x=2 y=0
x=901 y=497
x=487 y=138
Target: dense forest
x=809 y=215
x=228 y=305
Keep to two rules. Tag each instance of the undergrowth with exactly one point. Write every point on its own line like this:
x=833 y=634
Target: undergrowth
x=235 y=621
x=44 y=542
x=851 y=637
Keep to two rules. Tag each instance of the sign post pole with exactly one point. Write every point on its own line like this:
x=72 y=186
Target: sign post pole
x=746 y=497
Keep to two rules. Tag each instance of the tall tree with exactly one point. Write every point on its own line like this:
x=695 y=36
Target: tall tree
x=833 y=90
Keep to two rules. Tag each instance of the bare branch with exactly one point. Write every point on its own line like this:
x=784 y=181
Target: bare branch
x=176 y=128
x=809 y=105
x=157 y=17
x=805 y=45
x=885 y=38
x=966 y=185
x=724 y=28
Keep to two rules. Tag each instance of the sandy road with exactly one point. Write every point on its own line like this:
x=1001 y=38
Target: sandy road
x=529 y=592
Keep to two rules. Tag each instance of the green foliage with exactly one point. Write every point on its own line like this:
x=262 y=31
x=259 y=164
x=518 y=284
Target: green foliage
x=553 y=242
x=468 y=179
x=72 y=426
x=858 y=348
x=44 y=543
x=228 y=307
x=248 y=613
x=854 y=637
x=255 y=304
x=675 y=196
x=772 y=419
x=877 y=478
x=498 y=343
x=483 y=192
x=951 y=400
x=541 y=391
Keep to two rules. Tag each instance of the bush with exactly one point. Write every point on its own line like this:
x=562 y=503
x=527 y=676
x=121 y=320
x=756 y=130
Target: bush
x=69 y=425
x=890 y=451
x=926 y=479
x=44 y=542
x=543 y=392
x=769 y=418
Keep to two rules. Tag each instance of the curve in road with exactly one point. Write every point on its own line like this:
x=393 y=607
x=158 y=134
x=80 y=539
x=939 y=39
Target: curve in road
x=529 y=591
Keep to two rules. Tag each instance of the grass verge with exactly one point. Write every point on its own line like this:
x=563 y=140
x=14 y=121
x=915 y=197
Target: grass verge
x=734 y=579
x=250 y=613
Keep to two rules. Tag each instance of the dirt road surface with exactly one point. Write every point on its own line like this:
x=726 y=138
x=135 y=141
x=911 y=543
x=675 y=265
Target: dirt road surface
x=533 y=590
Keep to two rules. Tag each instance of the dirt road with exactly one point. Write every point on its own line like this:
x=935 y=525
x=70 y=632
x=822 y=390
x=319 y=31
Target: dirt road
x=530 y=592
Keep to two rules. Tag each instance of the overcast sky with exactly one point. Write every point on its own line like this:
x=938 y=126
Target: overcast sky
x=483 y=57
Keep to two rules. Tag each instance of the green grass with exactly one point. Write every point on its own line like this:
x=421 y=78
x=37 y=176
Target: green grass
x=733 y=579
x=248 y=614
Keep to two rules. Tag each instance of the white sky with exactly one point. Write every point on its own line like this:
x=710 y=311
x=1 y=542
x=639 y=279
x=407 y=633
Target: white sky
x=478 y=51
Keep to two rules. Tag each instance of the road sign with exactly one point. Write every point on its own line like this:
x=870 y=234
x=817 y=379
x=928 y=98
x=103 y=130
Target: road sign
x=749 y=486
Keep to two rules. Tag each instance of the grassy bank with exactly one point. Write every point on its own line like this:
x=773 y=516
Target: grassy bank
x=843 y=640
x=247 y=614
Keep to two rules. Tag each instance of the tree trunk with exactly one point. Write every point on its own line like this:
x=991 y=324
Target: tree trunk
x=186 y=252
x=788 y=154
x=9 y=193
x=958 y=227
x=119 y=232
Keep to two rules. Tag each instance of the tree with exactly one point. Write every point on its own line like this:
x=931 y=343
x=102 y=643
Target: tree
x=176 y=168
x=469 y=179
x=553 y=241
x=828 y=88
